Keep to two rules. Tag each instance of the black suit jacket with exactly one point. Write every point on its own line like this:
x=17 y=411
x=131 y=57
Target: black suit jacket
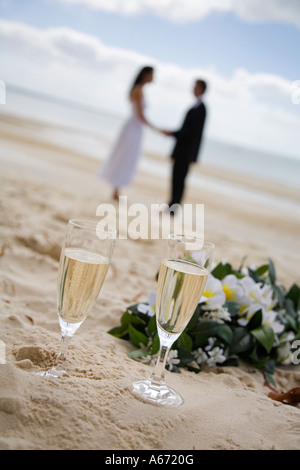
x=188 y=138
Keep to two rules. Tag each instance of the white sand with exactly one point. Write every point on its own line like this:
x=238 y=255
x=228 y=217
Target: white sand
x=42 y=186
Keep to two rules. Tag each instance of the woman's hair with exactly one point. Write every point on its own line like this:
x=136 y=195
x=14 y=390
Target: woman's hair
x=140 y=76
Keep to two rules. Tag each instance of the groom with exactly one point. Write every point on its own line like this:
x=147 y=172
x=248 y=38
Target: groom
x=188 y=140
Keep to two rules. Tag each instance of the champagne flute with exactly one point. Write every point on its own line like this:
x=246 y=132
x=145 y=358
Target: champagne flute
x=85 y=257
x=181 y=281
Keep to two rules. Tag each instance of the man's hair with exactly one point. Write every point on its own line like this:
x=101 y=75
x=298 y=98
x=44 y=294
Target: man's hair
x=203 y=84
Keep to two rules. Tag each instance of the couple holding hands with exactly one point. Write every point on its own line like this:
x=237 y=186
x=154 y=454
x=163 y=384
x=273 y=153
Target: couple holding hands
x=120 y=167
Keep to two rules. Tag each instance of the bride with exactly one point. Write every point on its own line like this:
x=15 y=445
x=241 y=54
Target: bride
x=120 y=167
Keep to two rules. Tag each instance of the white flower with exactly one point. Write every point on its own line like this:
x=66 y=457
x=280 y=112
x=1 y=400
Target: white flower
x=284 y=349
x=211 y=342
x=220 y=315
x=269 y=318
x=245 y=271
x=172 y=358
x=198 y=257
x=147 y=360
x=150 y=307
x=255 y=297
x=256 y=294
x=200 y=356
x=213 y=295
x=216 y=356
x=232 y=288
x=210 y=355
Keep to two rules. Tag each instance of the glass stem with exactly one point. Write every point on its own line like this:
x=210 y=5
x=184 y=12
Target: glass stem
x=62 y=356
x=158 y=375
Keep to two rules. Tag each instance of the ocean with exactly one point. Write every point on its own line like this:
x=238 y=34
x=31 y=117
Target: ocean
x=93 y=131
x=94 y=124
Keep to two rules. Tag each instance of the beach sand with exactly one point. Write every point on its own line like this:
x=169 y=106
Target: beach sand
x=44 y=184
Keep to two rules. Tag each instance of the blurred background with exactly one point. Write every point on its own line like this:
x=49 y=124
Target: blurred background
x=71 y=63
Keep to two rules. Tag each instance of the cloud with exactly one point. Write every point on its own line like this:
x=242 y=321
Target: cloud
x=185 y=11
x=63 y=44
x=88 y=53
x=245 y=107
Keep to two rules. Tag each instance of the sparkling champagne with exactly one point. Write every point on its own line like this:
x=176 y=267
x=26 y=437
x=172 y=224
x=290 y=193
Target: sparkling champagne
x=81 y=275
x=180 y=286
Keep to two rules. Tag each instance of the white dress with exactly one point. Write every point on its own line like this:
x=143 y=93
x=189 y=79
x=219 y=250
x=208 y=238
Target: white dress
x=120 y=167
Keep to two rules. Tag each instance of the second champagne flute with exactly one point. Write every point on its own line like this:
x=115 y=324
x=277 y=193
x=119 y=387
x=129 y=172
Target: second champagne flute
x=85 y=257
x=181 y=281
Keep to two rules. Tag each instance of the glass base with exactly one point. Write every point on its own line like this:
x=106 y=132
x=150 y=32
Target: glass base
x=53 y=372
x=156 y=392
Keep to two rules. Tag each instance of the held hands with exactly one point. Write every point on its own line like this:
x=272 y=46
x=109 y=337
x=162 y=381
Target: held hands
x=162 y=131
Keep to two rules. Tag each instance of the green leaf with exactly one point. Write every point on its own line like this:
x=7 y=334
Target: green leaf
x=118 y=331
x=241 y=341
x=253 y=274
x=262 y=269
x=270 y=366
x=137 y=353
x=151 y=328
x=128 y=318
x=125 y=318
x=206 y=329
x=184 y=341
x=242 y=263
x=134 y=309
x=184 y=356
x=292 y=322
x=294 y=295
x=279 y=294
x=224 y=332
x=255 y=321
x=270 y=379
x=194 y=320
x=265 y=336
x=232 y=307
x=258 y=355
x=199 y=341
x=272 y=273
x=221 y=270
x=155 y=344
x=136 y=314
x=136 y=337
x=262 y=363
x=289 y=307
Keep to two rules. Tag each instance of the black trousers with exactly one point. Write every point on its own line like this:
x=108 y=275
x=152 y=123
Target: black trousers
x=179 y=173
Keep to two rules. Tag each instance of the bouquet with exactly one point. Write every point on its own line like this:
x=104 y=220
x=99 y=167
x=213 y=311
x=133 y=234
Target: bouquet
x=243 y=314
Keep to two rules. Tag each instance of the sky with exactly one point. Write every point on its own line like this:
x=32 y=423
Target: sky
x=89 y=51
